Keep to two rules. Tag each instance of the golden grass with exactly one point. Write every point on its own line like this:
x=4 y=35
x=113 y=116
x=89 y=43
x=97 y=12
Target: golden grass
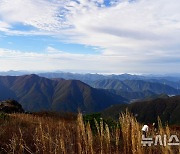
x=32 y=134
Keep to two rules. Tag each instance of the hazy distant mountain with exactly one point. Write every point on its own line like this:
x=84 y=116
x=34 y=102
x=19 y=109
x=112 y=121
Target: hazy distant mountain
x=158 y=88
x=173 y=84
x=168 y=109
x=134 y=96
x=95 y=77
x=135 y=89
x=13 y=73
x=173 y=81
x=88 y=77
x=74 y=76
x=134 y=86
x=38 y=93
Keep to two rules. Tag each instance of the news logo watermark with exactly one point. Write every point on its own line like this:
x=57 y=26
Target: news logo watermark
x=162 y=140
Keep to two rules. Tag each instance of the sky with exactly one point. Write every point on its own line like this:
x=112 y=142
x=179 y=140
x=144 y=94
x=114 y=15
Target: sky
x=93 y=36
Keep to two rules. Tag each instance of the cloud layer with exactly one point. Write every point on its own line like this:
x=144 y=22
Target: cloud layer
x=140 y=33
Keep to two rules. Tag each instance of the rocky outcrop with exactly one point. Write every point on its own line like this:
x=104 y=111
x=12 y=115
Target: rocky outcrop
x=11 y=106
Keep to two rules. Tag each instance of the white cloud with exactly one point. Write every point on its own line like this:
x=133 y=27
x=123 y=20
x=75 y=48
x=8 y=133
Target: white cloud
x=128 y=26
x=48 y=60
x=52 y=59
x=4 y=26
x=52 y=50
x=131 y=32
x=41 y=14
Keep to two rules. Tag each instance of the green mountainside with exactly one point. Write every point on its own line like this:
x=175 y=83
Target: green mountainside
x=168 y=109
x=38 y=93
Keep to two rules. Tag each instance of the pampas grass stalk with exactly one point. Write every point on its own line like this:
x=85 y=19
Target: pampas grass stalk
x=42 y=135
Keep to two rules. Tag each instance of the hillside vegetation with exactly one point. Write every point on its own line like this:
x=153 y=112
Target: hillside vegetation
x=148 y=111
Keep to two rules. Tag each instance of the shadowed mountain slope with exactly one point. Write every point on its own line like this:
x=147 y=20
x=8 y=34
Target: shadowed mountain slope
x=168 y=109
x=38 y=93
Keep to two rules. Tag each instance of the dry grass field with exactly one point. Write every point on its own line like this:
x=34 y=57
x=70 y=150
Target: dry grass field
x=40 y=134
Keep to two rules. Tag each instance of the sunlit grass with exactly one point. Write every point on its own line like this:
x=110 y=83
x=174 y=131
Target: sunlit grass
x=23 y=133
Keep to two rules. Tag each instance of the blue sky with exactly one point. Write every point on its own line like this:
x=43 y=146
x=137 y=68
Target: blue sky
x=40 y=44
x=110 y=36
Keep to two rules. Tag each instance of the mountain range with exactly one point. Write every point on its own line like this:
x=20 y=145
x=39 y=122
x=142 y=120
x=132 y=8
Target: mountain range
x=132 y=87
x=38 y=93
x=71 y=92
x=135 y=89
x=95 y=77
x=173 y=78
